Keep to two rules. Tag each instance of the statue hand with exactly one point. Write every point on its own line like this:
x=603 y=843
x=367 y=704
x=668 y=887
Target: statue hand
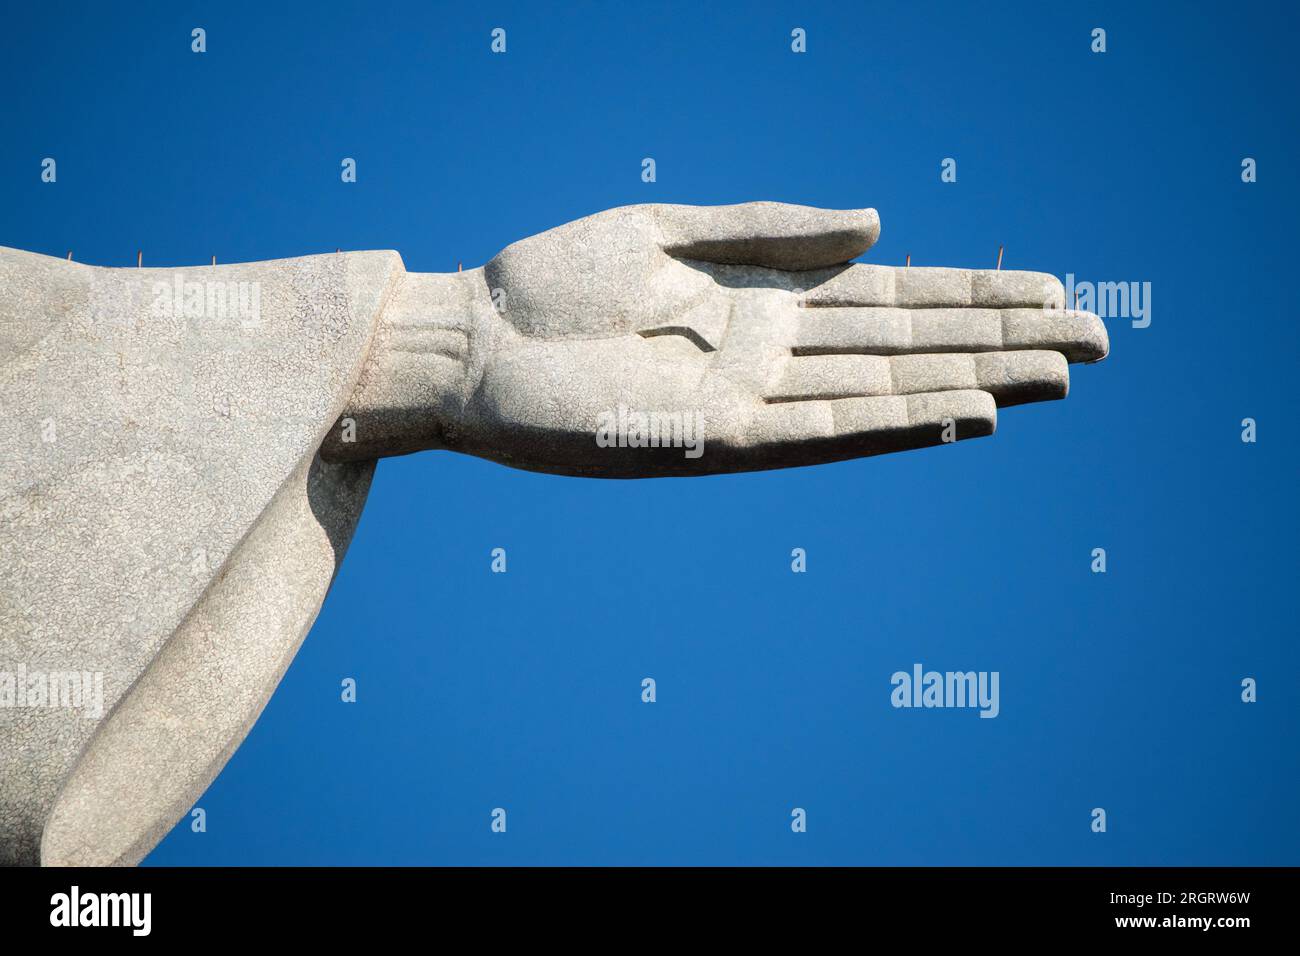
x=646 y=323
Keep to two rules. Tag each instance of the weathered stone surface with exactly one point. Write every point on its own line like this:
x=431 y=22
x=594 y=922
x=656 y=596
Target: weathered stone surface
x=140 y=451
x=178 y=487
x=787 y=355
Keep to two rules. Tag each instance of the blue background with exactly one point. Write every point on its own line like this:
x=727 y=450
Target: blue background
x=522 y=690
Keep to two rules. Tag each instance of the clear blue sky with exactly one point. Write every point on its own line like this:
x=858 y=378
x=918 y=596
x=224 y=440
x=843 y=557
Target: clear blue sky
x=522 y=690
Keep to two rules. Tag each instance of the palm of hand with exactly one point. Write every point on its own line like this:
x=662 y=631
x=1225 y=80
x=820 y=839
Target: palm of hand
x=747 y=318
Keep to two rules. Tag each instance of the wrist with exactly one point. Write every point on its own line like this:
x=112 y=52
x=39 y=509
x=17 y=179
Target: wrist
x=417 y=376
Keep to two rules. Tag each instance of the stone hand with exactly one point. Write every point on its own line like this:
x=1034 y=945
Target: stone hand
x=680 y=340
